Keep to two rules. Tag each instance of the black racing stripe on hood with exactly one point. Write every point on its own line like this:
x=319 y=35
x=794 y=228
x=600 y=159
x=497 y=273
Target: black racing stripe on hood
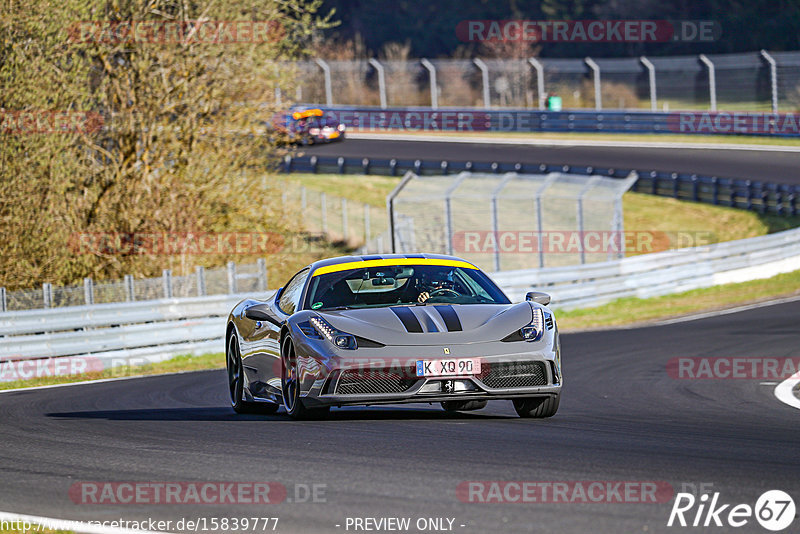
x=451 y=320
x=408 y=319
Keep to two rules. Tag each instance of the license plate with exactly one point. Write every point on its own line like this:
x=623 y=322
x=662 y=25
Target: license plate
x=454 y=367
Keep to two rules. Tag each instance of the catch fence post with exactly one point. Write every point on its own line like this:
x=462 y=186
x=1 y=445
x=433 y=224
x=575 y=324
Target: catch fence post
x=88 y=291
x=231 y=278
x=262 y=274
x=712 y=81
x=651 y=72
x=485 y=78
x=167 y=282
x=432 y=74
x=381 y=80
x=537 y=65
x=773 y=78
x=47 y=294
x=130 y=296
x=344 y=220
x=598 y=96
x=326 y=70
x=200 y=272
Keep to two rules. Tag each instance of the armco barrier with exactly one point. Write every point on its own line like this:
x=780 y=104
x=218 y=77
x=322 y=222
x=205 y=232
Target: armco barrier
x=375 y=119
x=142 y=332
x=761 y=197
x=109 y=335
x=659 y=273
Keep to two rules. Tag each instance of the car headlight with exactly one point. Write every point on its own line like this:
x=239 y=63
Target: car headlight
x=339 y=339
x=532 y=331
x=314 y=131
x=340 y=127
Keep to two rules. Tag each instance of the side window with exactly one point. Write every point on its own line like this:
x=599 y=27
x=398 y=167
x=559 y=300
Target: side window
x=290 y=298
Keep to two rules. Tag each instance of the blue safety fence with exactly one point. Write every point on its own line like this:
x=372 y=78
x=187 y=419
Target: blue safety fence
x=375 y=119
x=761 y=197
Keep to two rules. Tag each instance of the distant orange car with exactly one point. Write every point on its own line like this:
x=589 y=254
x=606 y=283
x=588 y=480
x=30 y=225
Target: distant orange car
x=309 y=126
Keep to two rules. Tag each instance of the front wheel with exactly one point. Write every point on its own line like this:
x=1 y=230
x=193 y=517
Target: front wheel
x=290 y=386
x=537 y=407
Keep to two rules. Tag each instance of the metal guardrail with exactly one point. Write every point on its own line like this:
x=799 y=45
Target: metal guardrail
x=102 y=336
x=416 y=119
x=659 y=273
x=26 y=322
x=753 y=195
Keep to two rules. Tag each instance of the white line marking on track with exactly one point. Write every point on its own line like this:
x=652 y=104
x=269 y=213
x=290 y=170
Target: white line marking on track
x=572 y=142
x=66 y=524
x=785 y=391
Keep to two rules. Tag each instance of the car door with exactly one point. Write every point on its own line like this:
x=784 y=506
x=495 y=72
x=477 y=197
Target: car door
x=287 y=303
x=261 y=357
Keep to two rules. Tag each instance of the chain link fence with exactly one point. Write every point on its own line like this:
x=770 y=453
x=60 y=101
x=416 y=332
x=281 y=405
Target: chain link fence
x=788 y=78
x=511 y=221
x=754 y=81
x=352 y=224
x=234 y=278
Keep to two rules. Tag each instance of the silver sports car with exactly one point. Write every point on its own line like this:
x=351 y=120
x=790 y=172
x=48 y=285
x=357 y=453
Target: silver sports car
x=362 y=330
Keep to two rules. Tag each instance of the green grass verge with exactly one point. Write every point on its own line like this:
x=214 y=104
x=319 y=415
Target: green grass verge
x=368 y=189
x=639 y=138
x=174 y=365
x=632 y=310
x=643 y=212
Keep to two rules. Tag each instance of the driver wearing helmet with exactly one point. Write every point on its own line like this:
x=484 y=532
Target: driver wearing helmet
x=440 y=283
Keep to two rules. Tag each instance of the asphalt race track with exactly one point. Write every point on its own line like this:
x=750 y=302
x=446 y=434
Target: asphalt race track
x=778 y=167
x=622 y=418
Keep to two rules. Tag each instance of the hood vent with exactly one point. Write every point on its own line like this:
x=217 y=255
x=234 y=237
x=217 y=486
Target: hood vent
x=444 y=314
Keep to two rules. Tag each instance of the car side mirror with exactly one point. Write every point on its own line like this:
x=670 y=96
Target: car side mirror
x=257 y=313
x=538 y=297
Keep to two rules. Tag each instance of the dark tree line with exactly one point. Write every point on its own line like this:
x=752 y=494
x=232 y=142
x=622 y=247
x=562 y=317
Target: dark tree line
x=430 y=27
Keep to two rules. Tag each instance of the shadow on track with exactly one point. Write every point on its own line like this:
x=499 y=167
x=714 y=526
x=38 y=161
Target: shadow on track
x=226 y=414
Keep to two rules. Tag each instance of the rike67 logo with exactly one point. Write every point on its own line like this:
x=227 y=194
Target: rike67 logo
x=774 y=510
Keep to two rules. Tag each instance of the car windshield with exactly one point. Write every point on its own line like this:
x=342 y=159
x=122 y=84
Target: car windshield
x=319 y=122
x=408 y=284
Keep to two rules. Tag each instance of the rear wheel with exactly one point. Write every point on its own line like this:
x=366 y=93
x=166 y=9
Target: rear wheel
x=290 y=386
x=537 y=407
x=464 y=406
x=236 y=382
